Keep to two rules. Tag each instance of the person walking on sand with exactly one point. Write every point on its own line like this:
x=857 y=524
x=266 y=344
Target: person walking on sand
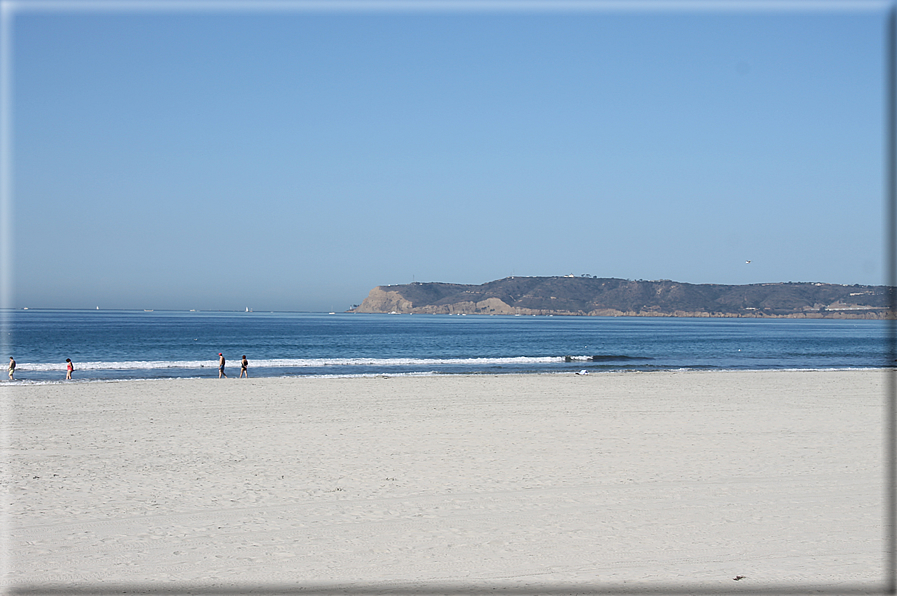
x=221 y=366
x=69 y=367
x=244 y=364
x=12 y=368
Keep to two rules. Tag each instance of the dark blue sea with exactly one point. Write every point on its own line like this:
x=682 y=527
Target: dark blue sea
x=107 y=345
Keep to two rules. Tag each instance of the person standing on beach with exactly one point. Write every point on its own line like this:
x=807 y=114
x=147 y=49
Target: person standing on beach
x=69 y=367
x=12 y=368
x=221 y=366
x=244 y=364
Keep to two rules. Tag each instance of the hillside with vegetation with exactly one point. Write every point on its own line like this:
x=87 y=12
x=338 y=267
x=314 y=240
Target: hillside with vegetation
x=593 y=296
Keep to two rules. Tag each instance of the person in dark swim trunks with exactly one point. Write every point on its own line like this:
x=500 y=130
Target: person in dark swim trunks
x=244 y=364
x=221 y=366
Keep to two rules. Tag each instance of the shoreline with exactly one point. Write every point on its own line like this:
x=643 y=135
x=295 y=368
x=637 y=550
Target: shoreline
x=668 y=478
x=41 y=382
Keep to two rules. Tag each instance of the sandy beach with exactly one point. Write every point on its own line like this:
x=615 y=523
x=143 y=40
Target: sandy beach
x=642 y=481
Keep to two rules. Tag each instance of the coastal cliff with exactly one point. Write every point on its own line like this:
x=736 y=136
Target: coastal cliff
x=591 y=296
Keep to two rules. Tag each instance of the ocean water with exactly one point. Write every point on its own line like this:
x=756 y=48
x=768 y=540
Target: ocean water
x=108 y=345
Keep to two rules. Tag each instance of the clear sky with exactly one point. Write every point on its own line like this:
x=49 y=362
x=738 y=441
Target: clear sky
x=294 y=159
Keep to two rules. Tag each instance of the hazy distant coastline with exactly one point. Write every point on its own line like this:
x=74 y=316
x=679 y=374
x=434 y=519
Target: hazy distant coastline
x=592 y=296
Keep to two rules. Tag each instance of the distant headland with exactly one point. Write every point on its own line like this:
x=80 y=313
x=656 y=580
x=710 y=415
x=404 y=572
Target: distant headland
x=594 y=296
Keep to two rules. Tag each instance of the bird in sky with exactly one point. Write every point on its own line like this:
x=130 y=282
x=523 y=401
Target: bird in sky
x=747 y=262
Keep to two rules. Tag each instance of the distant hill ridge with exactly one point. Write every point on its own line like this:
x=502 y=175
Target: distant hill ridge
x=592 y=296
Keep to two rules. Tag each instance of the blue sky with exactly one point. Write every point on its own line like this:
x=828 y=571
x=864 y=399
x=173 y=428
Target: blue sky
x=293 y=159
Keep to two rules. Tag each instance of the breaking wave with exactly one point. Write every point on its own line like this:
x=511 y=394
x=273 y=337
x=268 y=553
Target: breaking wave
x=311 y=363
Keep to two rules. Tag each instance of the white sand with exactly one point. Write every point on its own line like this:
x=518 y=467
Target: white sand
x=662 y=480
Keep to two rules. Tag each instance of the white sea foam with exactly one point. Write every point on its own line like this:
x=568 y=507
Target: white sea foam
x=294 y=363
